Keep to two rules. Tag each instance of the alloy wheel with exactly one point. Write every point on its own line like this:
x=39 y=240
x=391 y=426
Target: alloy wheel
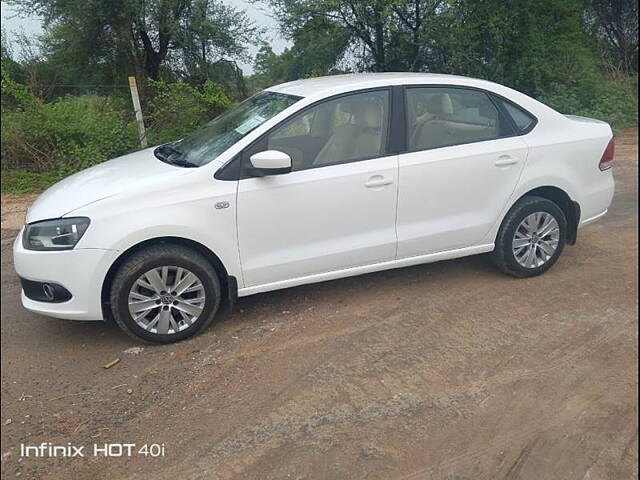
x=536 y=239
x=166 y=300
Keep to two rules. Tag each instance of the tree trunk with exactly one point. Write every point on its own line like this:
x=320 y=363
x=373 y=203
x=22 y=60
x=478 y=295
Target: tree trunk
x=152 y=65
x=153 y=59
x=379 y=54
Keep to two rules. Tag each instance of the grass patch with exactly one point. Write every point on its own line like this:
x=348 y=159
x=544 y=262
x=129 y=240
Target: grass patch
x=19 y=181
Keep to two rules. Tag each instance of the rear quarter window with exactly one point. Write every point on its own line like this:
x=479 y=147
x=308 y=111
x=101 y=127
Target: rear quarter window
x=523 y=120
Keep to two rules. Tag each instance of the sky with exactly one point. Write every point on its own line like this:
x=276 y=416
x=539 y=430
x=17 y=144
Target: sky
x=13 y=23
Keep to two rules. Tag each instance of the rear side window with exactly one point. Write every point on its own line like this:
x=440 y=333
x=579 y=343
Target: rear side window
x=523 y=120
x=441 y=117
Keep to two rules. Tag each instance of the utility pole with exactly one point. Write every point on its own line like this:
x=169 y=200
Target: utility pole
x=142 y=135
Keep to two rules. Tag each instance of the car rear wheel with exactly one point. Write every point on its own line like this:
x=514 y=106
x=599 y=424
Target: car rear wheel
x=531 y=237
x=164 y=294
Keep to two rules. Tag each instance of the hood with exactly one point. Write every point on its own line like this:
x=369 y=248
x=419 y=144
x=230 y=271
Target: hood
x=101 y=181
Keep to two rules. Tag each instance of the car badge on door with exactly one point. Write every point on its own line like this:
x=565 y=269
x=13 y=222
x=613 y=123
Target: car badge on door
x=221 y=205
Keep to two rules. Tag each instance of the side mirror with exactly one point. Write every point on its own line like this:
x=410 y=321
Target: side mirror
x=270 y=162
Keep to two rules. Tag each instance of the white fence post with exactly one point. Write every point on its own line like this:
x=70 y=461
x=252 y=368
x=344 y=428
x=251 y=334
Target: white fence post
x=138 y=109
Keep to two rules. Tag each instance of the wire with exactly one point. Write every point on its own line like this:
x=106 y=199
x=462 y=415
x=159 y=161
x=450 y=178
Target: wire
x=82 y=86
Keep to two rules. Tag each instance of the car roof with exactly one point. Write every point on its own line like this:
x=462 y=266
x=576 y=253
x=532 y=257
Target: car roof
x=318 y=88
x=329 y=85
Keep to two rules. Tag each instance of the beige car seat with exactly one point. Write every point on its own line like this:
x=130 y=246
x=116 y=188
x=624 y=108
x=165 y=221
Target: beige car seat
x=434 y=131
x=360 y=139
x=445 y=129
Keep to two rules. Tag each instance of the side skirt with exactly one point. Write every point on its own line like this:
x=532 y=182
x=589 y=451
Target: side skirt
x=376 y=267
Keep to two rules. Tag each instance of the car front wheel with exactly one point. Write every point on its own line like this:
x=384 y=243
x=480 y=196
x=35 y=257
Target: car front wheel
x=165 y=293
x=531 y=237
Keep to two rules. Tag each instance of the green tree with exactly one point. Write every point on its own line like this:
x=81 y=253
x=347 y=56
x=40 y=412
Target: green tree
x=213 y=32
x=9 y=64
x=317 y=49
x=615 y=25
x=527 y=45
x=108 y=38
x=384 y=35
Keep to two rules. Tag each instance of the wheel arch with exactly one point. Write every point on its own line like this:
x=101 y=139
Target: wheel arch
x=228 y=283
x=560 y=197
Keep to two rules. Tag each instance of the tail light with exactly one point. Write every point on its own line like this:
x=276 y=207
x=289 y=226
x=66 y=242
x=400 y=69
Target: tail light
x=607 y=157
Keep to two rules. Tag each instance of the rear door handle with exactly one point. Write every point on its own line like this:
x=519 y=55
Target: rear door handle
x=505 y=161
x=378 y=181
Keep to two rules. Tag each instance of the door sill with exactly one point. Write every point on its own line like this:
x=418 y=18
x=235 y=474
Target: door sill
x=375 y=267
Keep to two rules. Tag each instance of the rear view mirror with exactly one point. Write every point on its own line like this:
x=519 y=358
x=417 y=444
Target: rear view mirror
x=270 y=162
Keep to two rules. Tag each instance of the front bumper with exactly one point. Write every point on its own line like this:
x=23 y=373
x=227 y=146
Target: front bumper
x=81 y=271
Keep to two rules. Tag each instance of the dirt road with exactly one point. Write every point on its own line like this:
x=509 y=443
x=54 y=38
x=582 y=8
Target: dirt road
x=442 y=371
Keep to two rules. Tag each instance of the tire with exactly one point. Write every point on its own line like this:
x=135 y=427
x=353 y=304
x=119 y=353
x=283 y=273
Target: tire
x=514 y=259
x=165 y=316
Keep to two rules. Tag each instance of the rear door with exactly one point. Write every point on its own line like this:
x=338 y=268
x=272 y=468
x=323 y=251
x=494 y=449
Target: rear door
x=461 y=166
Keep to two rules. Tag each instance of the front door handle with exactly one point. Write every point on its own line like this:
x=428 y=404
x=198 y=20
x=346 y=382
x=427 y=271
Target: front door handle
x=505 y=161
x=378 y=181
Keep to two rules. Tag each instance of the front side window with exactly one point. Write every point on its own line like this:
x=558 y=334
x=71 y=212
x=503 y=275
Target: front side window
x=209 y=141
x=346 y=129
x=440 y=117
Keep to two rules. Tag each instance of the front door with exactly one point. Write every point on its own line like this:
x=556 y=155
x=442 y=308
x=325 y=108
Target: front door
x=337 y=207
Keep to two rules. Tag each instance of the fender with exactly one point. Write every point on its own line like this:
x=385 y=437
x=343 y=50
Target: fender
x=524 y=188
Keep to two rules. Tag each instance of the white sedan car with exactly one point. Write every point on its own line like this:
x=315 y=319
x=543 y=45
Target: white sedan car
x=309 y=181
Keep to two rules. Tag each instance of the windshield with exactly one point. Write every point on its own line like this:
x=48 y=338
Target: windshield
x=209 y=141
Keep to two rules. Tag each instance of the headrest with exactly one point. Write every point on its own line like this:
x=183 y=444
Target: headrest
x=367 y=114
x=487 y=110
x=440 y=104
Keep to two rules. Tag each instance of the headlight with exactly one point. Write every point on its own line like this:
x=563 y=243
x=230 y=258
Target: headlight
x=59 y=234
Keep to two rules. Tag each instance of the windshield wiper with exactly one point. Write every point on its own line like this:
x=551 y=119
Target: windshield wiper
x=173 y=149
x=158 y=153
x=182 y=163
x=174 y=157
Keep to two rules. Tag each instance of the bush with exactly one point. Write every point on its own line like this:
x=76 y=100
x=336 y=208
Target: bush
x=44 y=142
x=26 y=181
x=613 y=100
x=65 y=136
